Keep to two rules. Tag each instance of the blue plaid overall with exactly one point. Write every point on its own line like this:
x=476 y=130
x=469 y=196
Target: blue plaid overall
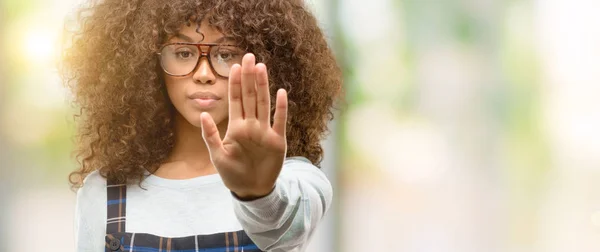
x=117 y=239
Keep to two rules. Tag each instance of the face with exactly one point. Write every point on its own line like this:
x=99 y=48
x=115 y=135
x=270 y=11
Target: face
x=203 y=88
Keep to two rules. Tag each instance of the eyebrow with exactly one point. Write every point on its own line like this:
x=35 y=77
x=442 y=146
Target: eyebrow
x=188 y=39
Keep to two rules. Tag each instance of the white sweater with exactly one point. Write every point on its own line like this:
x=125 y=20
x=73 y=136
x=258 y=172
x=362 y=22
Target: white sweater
x=282 y=221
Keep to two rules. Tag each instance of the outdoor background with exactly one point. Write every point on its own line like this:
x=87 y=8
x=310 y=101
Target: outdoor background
x=471 y=125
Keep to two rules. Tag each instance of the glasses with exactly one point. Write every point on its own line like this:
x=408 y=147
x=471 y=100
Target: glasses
x=181 y=59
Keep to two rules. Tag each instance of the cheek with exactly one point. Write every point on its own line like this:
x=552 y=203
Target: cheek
x=176 y=92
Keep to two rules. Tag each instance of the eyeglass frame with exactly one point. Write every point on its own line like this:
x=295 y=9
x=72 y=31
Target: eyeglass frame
x=202 y=54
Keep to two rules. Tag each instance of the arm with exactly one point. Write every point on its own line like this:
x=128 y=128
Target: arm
x=287 y=217
x=90 y=214
x=285 y=204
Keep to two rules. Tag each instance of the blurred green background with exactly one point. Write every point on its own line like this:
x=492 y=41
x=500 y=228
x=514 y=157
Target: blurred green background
x=471 y=125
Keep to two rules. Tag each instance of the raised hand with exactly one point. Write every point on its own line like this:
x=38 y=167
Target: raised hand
x=250 y=156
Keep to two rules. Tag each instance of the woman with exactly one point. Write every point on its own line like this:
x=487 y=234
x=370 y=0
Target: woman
x=185 y=143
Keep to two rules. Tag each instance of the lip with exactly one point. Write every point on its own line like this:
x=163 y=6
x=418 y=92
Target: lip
x=203 y=95
x=204 y=100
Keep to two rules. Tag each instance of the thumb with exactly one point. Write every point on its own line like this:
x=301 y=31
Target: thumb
x=210 y=133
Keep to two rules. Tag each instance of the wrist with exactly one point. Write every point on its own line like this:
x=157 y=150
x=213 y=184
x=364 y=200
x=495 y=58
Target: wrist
x=250 y=196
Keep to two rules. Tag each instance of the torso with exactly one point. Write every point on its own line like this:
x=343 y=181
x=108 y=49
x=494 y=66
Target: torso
x=176 y=214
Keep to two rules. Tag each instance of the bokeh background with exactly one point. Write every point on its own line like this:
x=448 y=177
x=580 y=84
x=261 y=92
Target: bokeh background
x=470 y=125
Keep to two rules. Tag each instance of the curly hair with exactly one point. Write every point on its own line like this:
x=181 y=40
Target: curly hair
x=125 y=123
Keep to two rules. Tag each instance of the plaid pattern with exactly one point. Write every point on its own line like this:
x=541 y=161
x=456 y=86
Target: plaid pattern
x=117 y=239
x=115 y=208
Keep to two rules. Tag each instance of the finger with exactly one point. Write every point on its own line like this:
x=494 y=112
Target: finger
x=280 y=117
x=249 y=86
x=210 y=133
x=263 y=103
x=235 y=93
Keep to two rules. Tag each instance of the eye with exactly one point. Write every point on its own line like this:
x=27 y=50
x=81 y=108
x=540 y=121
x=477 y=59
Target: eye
x=184 y=54
x=227 y=55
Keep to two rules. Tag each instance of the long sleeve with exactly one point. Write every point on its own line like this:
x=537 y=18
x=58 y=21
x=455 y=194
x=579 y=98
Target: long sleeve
x=285 y=219
x=90 y=214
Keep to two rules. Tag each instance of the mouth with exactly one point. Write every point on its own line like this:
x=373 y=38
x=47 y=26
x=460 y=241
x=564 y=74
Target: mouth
x=204 y=96
x=204 y=100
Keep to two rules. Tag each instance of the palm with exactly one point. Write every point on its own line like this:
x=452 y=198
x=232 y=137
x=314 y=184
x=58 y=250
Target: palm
x=250 y=156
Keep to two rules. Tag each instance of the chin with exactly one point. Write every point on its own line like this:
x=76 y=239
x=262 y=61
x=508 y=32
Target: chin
x=196 y=122
x=193 y=118
x=190 y=117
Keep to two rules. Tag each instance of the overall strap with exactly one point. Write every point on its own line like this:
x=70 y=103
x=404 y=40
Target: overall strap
x=115 y=207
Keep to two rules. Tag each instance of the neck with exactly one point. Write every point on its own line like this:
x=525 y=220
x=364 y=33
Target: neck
x=190 y=156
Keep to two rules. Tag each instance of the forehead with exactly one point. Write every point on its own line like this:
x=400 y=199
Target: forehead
x=202 y=32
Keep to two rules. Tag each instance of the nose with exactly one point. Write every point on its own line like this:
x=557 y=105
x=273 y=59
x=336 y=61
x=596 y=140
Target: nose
x=204 y=73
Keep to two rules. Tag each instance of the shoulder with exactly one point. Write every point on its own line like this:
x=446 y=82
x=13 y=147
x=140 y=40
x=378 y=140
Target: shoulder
x=297 y=161
x=93 y=190
x=309 y=179
x=92 y=182
x=94 y=179
x=299 y=166
x=90 y=213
